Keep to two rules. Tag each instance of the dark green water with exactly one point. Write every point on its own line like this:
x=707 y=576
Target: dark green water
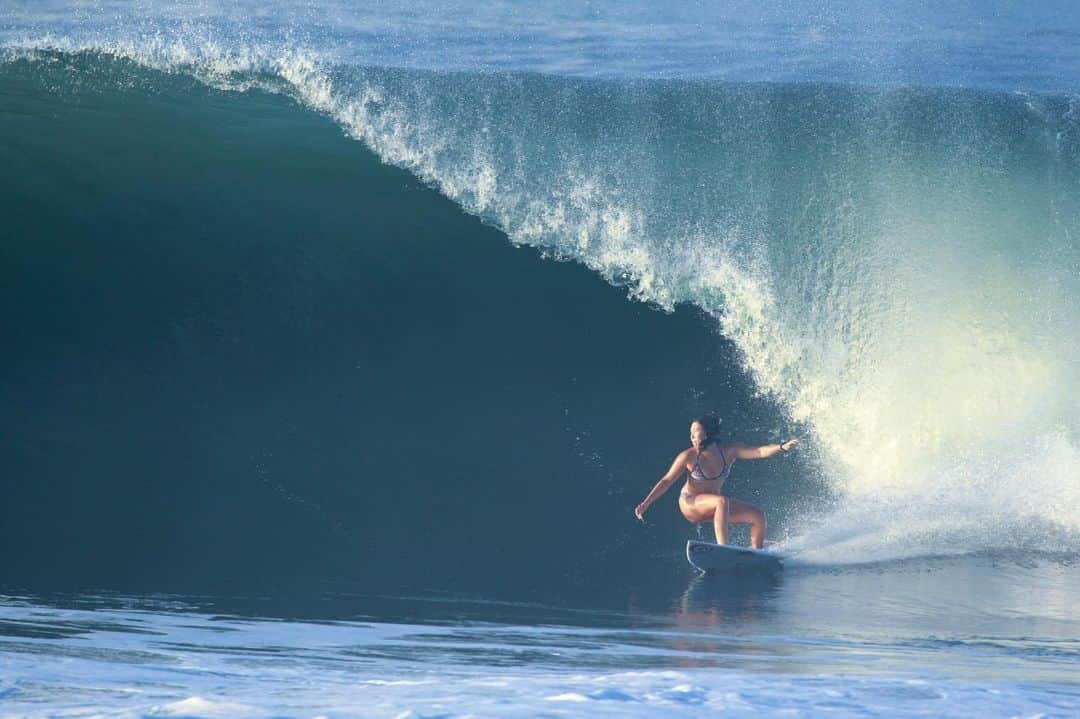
x=243 y=352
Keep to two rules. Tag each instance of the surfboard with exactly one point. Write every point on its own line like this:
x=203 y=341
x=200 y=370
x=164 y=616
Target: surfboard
x=710 y=558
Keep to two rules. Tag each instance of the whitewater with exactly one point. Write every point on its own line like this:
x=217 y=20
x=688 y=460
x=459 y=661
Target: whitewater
x=874 y=209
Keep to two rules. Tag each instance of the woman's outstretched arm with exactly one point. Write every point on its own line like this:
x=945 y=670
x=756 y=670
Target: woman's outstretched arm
x=765 y=451
x=677 y=468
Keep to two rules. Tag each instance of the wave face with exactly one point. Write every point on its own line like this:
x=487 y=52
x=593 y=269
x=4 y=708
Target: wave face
x=246 y=351
x=895 y=270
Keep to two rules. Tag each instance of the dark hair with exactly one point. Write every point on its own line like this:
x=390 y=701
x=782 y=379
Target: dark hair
x=711 y=424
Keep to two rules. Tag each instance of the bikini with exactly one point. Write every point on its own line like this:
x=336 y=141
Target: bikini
x=696 y=473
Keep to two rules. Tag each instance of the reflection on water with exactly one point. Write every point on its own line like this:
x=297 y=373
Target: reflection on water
x=993 y=615
x=992 y=594
x=727 y=601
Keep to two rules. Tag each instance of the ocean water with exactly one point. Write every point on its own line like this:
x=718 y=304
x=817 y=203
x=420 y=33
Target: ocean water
x=943 y=639
x=340 y=343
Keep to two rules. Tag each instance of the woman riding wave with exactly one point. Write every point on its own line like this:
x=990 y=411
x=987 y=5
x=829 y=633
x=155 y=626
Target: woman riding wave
x=708 y=463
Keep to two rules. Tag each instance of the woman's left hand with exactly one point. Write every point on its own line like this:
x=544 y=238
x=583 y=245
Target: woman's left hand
x=787 y=446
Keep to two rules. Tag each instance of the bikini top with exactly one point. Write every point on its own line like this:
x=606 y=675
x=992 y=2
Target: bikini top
x=696 y=473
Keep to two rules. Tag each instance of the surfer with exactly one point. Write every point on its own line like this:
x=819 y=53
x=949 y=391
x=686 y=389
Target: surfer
x=707 y=462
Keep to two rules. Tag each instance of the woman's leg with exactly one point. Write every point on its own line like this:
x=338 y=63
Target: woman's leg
x=720 y=519
x=746 y=513
x=702 y=507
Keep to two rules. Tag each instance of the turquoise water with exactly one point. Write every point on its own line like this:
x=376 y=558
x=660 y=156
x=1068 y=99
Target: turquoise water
x=1002 y=44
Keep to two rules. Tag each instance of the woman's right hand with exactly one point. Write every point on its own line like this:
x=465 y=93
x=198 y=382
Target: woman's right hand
x=639 y=511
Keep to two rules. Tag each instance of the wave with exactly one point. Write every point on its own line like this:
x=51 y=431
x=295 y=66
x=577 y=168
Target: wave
x=245 y=351
x=896 y=267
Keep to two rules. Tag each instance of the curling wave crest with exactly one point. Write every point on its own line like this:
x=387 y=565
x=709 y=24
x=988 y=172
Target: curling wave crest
x=898 y=267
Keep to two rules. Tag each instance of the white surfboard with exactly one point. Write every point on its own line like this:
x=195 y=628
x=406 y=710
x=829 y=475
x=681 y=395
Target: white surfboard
x=709 y=557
